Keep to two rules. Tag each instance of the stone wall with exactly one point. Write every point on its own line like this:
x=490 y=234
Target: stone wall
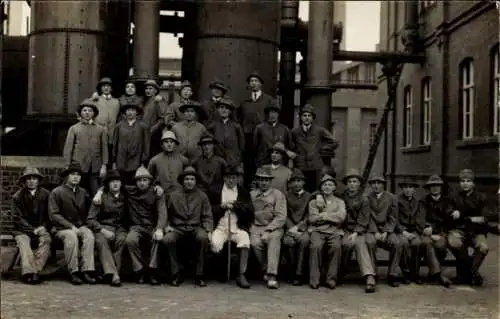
x=12 y=168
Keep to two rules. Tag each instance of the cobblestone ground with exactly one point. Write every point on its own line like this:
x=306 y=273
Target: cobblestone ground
x=58 y=299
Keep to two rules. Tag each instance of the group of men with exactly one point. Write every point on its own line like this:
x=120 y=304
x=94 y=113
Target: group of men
x=198 y=190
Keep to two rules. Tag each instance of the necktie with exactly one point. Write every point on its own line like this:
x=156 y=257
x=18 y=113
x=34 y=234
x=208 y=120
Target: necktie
x=254 y=96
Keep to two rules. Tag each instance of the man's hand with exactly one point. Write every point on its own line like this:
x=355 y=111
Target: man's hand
x=40 y=231
x=158 y=190
x=107 y=233
x=169 y=229
x=158 y=98
x=381 y=236
x=229 y=206
x=455 y=214
x=435 y=237
x=265 y=236
x=158 y=234
x=102 y=171
x=74 y=229
x=97 y=200
x=294 y=229
x=427 y=231
x=352 y=237
x=477 y=219
x=320 y=202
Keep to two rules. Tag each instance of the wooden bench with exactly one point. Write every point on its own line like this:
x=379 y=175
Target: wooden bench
x=8 y=238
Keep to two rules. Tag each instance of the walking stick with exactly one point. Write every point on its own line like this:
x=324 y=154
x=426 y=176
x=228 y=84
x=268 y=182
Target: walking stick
x=229 y=245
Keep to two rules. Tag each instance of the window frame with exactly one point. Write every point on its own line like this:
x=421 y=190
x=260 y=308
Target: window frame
x=407 y=116
x=426 y=111
x=467 y=99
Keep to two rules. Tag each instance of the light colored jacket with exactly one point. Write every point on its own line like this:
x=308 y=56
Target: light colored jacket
x=109 y=111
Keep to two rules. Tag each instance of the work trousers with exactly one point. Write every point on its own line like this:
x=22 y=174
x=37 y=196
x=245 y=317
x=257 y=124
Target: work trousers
x=333 y=243
x=296 y=245
x=110 y=250
x=33 y=261
x=410 y=258
x=459 y=241
x=221 y=236
x=72 y=250
x=198 y=236
x=363 y=258
x=136 y=236
x=266 y=252
x=435 y=252
x=392 y=243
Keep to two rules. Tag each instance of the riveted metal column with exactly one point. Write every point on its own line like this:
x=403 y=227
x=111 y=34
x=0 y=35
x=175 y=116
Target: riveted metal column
x=146 y=38
x=233 y=39
x=319 y=59
x=189 y=44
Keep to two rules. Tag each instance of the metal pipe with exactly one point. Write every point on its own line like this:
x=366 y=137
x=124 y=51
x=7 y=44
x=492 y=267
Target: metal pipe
x=146 y=38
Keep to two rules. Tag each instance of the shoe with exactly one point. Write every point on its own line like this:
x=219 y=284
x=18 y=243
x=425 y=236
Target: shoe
x=331 y=284
x=265 y=278
x=272 y=283
x=314 y=285
x=35 y=279
x=27 y=279
x=88 y=278
x=370 y=284
x=153 y=281
x=297 y=281
x=392 y=281
x=176 y=281
x=444 y=281
x=115 y=281
x=406 y=279
x=477 y=280
x=75 y=280
x=242 y=282
x=139 y=278
x=200 y=283
x=418 y=280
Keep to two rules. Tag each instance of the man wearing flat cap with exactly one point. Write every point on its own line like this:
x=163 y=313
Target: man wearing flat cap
x=468 y=228
x=31 y=224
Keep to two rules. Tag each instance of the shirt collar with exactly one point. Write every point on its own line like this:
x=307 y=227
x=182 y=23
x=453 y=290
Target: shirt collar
x=266 y=193
x=130 y=123
x=216 y=99
x=225 y=120
x=306 y=128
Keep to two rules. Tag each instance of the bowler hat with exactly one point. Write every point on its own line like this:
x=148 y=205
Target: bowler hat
x=352 y=173
x=308 y=108
x=72 y=168
x=227 y=102
x=188 y=171
x=88 y=103
x=142 y=172
x=376 y=178
x=233 y=170
x=152 y=83
x=103 y=81
x=207 y=138
x=111 y=175
x=297 y=175
x=135 y=106
x=255 y=74
x=434 y=180
x=169 y=135
x=218 y=84
x=191 y=104
x=30 y=171
x=408 y=182
x=264 y=172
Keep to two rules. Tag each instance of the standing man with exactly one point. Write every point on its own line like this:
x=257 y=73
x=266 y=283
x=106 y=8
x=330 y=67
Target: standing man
x=381 y=229
x=267 y=229
x=279 y=156
x=87 y=144
x=250 y=114
x=355 y=227
x=156 y=113
x=308 y=142
x=218 y=90
x=438 y=212
x=468 y=228
x=68 y=209
x=189 y=216
x=31 y=223
x=185 y=94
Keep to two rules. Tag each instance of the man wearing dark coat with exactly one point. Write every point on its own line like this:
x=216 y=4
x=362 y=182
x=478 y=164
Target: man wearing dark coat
x=233 y=218
x=31 y=224
x=189 y=216
x=218 y=91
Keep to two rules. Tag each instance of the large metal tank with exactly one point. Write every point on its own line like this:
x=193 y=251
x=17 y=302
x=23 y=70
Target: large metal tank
x=233 y=39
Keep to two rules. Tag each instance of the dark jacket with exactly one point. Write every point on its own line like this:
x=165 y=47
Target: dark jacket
x=383 y=212
x=308 y=145
x=437 y=213
x=297 y=210
x=188 y=210
x=30 y=212
x=243 y=209
x=358 y=212
x=68 y=208
x=231 y=141
x=145 y=208
x=472 y=205
x=111 y=212
x=210 y=171
x=411 y=215
x=251 y=113
x=130 y=145
x=265 y=136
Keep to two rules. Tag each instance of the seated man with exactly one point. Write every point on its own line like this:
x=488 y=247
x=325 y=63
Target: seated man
x=296 y=239
x=31 y=223
x=355 y=226
x=68 y=208
x=189 y=216
x=468 y=228
x=281 y=173
x=410 y=225
x=326 y=216
x=267 y=229
x=437 y=220
x=233 y=218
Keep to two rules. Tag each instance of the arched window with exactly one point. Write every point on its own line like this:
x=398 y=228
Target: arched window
x=426 y=111
x=495 y=57
x=407 y=116
x=467 y=98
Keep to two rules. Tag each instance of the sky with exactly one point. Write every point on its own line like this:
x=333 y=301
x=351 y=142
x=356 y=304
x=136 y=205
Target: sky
x=361 y=28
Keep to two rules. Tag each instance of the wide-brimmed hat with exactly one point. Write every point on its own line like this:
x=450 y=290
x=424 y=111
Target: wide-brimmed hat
x=434 y=180
x=135 y=106
x=30 y=171
x=88 y=103
x=103 y=81
x=72 y=168
x=143 y=172
x=376 y=178
x=264 y=172
x=207 y=138
x=352 y=173
x=130 y=80
x=255 y=74
x=408 y=182
x=152 y=83
x=218 y=84
x=227 y=102
x=233 y=170
x=188 y=171
x=280 y=147
x=326 y=178
x=169 y=135
x=466 y=174
x=191 y=104
x=273 y=105
x=297 y=175
x=185 y=84
x=112 y=175
x=308 y=108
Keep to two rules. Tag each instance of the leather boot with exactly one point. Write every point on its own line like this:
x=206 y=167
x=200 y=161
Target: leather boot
x=241 y=280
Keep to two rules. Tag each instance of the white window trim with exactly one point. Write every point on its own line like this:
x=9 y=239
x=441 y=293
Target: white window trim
x=467 y=105
x=496 y=92
x=427 y=111
x=408 y=114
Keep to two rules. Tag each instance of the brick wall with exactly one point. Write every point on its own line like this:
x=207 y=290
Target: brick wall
x=12 y=168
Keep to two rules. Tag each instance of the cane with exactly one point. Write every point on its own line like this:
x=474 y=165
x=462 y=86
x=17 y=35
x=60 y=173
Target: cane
x=229 y=245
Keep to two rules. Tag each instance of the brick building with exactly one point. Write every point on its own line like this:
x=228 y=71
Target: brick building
x=447 y=114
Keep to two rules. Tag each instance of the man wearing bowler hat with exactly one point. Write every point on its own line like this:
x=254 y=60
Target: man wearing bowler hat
x=267 y=229
x=438 y=210
x=31 y=224
x=411 y=223
x=68 y=209
x=218 y=90
x=87 y=144
x=156 y=113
